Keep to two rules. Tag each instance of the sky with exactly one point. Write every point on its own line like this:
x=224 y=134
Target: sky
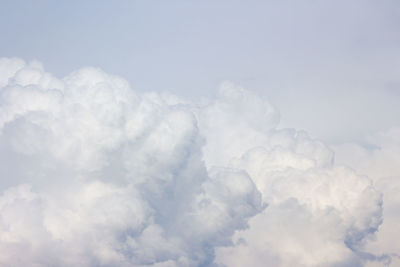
x=200 y=133
x=302 y=55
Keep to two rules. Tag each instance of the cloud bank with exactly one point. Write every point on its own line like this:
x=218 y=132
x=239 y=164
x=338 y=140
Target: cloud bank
x=96 y=174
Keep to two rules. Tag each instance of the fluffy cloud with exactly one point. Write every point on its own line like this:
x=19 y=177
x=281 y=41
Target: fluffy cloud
x=318 y=214
x=379 y=158
x=95 y=174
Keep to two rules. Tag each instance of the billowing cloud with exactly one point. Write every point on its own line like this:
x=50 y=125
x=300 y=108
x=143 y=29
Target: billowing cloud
x=318 y=214
x=380 y=160
x=95 y=174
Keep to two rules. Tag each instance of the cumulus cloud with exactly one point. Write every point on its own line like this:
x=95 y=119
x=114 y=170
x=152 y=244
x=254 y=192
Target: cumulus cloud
x=379 y=158
x=318 y=213
x=95 y=174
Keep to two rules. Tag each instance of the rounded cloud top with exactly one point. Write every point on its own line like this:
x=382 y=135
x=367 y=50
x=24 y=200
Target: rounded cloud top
x=96 y=174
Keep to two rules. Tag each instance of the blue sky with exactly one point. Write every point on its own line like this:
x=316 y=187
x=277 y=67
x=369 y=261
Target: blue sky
x=338 y=57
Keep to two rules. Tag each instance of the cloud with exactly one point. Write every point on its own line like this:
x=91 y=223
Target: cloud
x=96 y=174
x=379 y=158
x=318 y=213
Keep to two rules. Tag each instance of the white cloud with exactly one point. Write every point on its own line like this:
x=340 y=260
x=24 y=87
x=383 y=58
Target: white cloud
x=318 y=214
x=380 y=160
x=94 y=174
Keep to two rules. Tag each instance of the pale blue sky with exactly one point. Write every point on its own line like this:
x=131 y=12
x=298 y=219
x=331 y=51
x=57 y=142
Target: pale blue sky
x=331 y=67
